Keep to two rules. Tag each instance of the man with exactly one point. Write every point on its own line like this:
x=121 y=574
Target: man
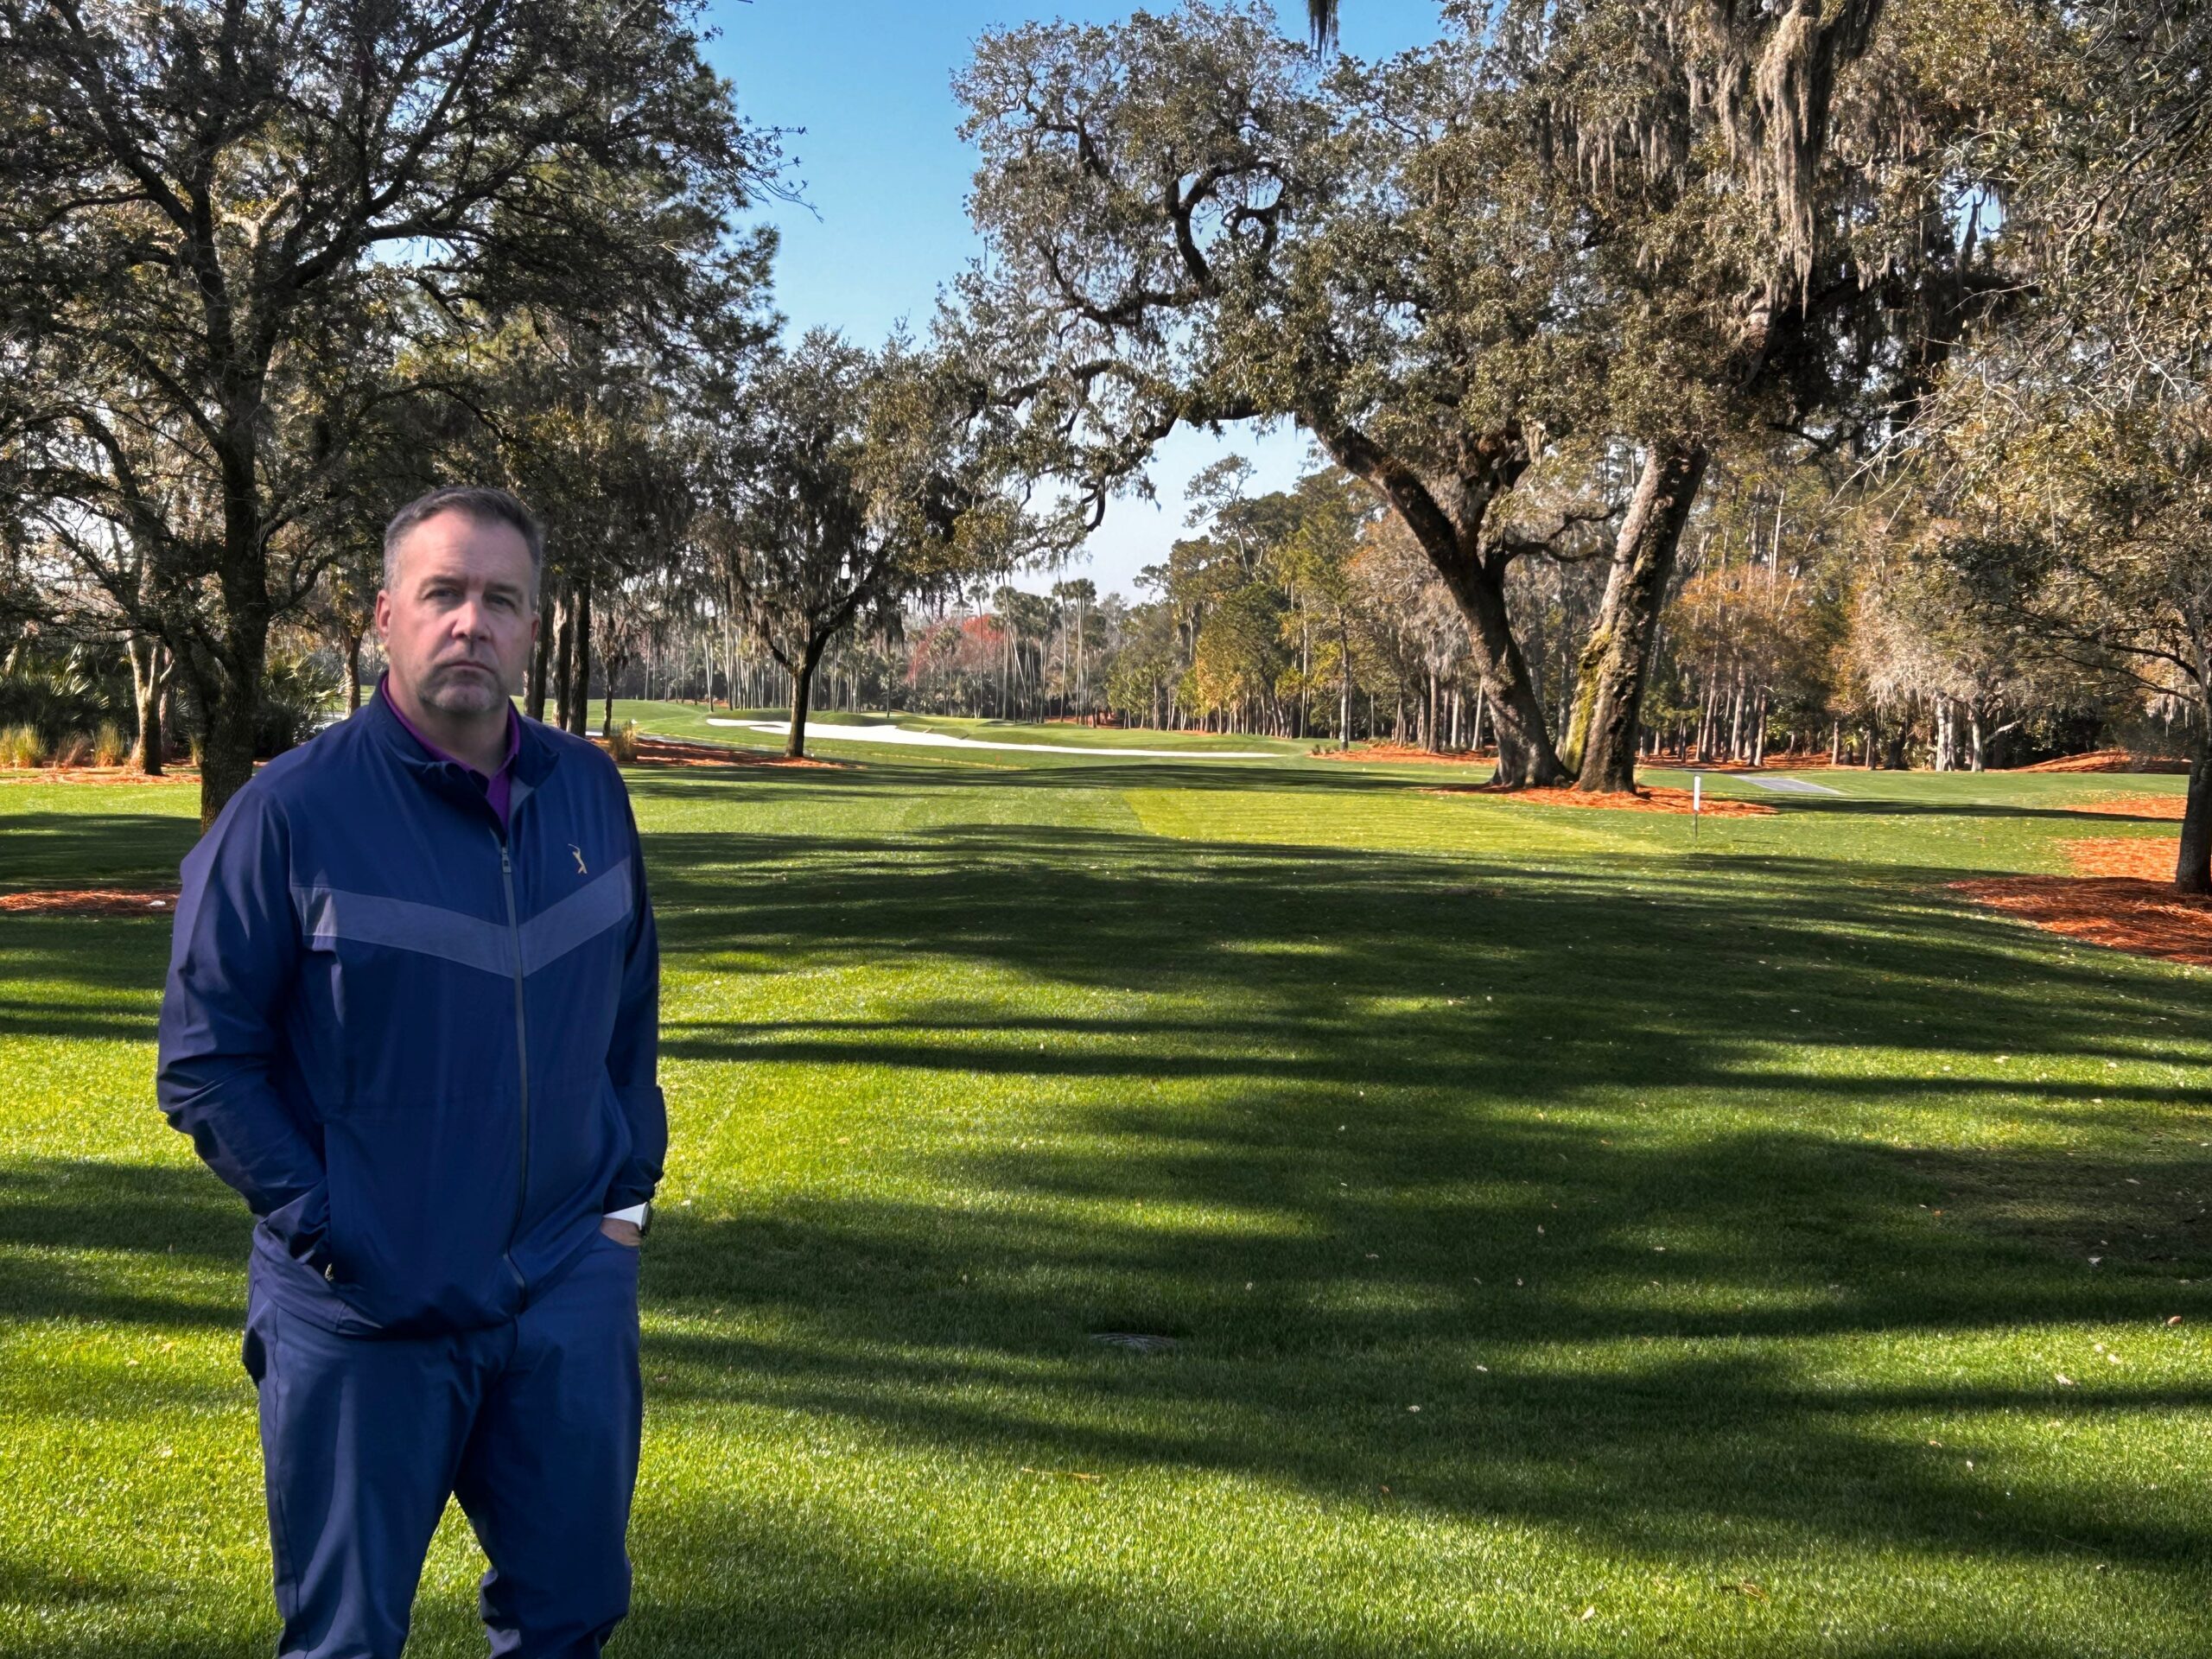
x=411 y=1018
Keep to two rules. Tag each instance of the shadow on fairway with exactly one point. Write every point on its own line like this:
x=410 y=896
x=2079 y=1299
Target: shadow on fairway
x=1658 y=1313
x=1633 y=1309
x=1725 y=1331
x=1476 y=976
x=107 y=969
x=157 y=1216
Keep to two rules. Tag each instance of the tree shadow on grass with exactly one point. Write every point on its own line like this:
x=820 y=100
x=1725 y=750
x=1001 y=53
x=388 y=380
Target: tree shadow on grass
x=1661 y=1346
x=179 y=1216
x=1761 y=1391
x=1470 y=975
x=92 y=850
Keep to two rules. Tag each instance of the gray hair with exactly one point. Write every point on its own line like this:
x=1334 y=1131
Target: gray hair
x=483 y=502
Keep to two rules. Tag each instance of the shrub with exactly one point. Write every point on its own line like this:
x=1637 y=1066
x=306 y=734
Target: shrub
x=56 y=696
x=110 y=747
x=622 y=742
x=75 y=749
x=20 y=746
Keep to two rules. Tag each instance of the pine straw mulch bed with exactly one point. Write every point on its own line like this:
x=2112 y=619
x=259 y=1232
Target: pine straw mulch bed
x=1406 y=755
x=2123 y=899
x=89 y=901
x=2169 y=807
x=675 y=752
x=172 y=774
x=2105 y=761
x=1649 y=799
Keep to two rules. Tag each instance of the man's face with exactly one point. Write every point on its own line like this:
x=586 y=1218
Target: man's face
x=458 y=621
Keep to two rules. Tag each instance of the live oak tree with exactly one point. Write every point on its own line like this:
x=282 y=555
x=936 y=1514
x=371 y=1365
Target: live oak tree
x=1793 y=241
x=2070 y=452
x=206 y=207
x=850 y=481
x=1187 y=227
x=1619 y=218
x=2085 y=531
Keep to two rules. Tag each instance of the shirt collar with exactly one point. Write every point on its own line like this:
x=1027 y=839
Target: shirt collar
x=514 y=733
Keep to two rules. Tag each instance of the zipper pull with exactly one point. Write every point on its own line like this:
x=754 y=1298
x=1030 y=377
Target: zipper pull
x=506 y=868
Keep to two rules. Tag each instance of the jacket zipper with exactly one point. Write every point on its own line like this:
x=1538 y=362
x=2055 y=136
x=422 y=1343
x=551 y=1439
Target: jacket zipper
x=522 y=1057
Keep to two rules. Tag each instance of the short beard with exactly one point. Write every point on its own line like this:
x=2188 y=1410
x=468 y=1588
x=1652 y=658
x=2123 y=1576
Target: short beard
x=461 y=694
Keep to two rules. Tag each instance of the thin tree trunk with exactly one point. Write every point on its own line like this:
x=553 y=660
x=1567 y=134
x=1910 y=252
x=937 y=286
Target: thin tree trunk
x=1609 y=683
x=148 y=686
x=540 y=654
x=563 y=657
x=580 y=688
x=802 y=689
x=353 y=671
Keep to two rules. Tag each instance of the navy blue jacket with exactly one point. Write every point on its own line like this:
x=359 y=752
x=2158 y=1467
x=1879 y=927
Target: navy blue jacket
x=423 y=1051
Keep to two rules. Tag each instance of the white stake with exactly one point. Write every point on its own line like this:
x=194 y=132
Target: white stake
x=1697 y=803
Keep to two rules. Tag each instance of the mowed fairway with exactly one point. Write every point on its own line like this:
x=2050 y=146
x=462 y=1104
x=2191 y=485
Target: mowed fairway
x=1571 y=1242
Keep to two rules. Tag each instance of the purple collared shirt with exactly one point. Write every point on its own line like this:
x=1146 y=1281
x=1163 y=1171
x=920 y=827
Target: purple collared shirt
x=498 y=788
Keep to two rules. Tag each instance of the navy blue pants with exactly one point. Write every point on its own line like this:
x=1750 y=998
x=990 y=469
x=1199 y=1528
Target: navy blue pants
x=533 y=1425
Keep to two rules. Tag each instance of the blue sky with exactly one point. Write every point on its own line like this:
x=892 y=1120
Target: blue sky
x=886 y=177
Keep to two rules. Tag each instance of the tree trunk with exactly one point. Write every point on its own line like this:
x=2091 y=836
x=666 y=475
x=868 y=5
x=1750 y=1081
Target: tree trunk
x=2193 y=868
x=149 y=685
x=1478 y=586
x=540 y=654
x=563 y=657
x=802 y=689
x=225 y=742
x=353 y=671
x=580 y=690
x=1608 y=681
x=1895 y=743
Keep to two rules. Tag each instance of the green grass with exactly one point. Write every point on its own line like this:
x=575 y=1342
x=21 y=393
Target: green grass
x=1727 y=1213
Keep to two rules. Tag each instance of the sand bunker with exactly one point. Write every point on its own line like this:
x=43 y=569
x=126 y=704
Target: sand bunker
x=1406 y=755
